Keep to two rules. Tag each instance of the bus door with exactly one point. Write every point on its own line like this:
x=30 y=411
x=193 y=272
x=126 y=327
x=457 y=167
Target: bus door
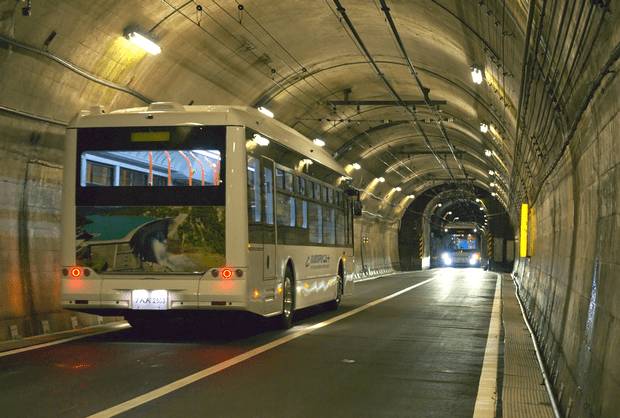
x=269 y=227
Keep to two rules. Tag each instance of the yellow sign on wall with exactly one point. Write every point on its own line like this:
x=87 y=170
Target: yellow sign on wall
x=524 y=213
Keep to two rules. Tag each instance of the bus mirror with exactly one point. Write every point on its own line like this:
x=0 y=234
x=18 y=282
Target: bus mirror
x=357 y=208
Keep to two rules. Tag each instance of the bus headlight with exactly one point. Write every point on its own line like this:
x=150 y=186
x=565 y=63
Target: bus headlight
x=446 y=259
x=474 y=259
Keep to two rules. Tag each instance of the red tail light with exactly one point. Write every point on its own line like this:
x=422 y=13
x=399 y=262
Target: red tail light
x=75 y=272
x=227 y=273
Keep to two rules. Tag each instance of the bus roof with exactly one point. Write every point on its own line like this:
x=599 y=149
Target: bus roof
x=174 y=114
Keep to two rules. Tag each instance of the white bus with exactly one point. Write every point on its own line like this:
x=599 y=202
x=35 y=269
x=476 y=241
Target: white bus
x=463 y=245
x=172 y=210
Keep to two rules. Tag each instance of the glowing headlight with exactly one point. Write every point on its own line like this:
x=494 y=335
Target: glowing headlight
x=446 y=259
x=474 y=259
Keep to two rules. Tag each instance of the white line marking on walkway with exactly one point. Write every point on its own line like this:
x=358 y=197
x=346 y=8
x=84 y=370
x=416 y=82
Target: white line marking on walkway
x=164 y=390
x=486 y=401
x=62 y=341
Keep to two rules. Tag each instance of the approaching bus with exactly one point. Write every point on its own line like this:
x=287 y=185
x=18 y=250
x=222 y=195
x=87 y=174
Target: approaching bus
x=463 y=246
x=174 y=210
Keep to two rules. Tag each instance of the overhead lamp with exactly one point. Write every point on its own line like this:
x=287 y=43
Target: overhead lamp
x=398 y=189
x=319 y=142
x=488 y=152
x=439 y=204
x=356 y=166
x=492 y=184
x=411 y=196
x=491 y=172
x=484 y=128
x=265 y=111
x=476 y=74
x=493 y=194
x=143 y=42
x=381 y=179
x=260 y=140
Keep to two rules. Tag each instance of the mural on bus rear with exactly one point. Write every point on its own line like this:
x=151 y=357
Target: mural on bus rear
x=150 y=239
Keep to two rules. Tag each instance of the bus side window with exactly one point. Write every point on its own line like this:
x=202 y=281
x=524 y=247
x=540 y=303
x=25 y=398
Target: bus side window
x=301 y=186
x=279 y=179
x=285 y=209
x=269 y=196
x=315 y=220
x=340 y=227
x=302 y=213
x=254 y=190
x=329 y=230
x=288 y=182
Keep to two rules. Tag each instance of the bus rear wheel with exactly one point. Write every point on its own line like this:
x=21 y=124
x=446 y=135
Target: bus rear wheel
x=288 y=300
x=333 y=305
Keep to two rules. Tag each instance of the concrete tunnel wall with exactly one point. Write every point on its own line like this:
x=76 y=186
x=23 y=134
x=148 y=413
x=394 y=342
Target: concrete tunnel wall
x=571 y=281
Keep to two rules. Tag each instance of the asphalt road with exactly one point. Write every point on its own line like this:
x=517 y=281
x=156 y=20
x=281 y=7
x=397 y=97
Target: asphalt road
x=415 y=354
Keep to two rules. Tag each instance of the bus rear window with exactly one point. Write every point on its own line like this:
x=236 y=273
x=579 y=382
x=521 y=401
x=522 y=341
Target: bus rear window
x=196 y=167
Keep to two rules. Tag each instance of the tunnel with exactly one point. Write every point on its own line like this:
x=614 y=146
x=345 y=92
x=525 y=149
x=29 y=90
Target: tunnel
x=503 y=114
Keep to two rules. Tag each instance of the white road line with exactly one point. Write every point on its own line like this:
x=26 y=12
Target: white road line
x=164 y=390
x=62 y=341
x=486 y=401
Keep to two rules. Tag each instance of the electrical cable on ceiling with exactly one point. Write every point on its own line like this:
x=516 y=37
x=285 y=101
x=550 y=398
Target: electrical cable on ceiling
x=305 y=78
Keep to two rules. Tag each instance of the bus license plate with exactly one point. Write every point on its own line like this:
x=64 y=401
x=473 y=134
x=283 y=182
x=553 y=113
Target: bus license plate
x=149 y=299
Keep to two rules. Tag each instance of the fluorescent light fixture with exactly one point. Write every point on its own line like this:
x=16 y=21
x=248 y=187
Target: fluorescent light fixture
x=356 y=166
x=476 y=74
x=398 y=189
x=260 y=140
x=265 y=111
x=491 y=172
x=319 y=142
x=484 y=128
x=488 y=152
x=144 y=43
x=381 y=179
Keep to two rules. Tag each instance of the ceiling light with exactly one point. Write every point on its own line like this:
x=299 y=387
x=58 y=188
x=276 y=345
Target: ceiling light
x=265 y=111
x=144 y=43
x=492 y=184
x=476 y=74
x=398 y=189
x=260 y=140
x=484 y=128
x=319 y=142
x=381 y=179
x=439 y=204
x=488 y=152
x=491 y=172
x=493 y=194
x=411 y=196
x=356 y=166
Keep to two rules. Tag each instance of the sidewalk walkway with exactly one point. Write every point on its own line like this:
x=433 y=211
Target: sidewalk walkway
x=523 y=394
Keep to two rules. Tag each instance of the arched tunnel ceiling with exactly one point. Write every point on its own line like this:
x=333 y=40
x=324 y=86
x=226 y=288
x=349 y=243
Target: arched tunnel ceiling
x=386 y=84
